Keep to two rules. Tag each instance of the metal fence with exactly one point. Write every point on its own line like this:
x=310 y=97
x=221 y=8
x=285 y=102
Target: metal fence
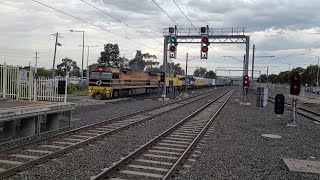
x=18 y=83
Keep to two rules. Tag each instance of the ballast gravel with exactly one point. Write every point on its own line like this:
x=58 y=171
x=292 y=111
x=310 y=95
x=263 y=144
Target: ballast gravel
x=236 y=148
x=91 y=159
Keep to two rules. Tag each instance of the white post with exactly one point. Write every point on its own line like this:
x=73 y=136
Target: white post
x=294 y=104
x=18 y=83
x=30 y=83
x=34 y=79
x=66 y=89
x=5 y=77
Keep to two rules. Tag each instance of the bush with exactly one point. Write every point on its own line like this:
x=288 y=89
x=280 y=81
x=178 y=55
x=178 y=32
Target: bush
x=72 y=88
x=78 y=89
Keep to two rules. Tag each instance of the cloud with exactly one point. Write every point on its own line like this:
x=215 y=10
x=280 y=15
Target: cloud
x=276 y=27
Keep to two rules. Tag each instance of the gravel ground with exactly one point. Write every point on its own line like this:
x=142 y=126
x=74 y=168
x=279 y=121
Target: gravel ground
x=312 y=104
x=236 y=150
x=103 y=110
x=89 y=160
x=89 y=111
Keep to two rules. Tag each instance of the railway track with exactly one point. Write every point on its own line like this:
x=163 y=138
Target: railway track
x=162 y=156
x=314 y=116
x=23 y=157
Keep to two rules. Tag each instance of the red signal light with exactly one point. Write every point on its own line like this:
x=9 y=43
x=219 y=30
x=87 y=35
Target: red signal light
x=295 y=78
x=172 y=48
x=246 y=80
x=204 y=49
x=205 y=40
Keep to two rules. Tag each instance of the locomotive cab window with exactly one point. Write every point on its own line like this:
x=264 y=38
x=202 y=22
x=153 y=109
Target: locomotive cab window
x=95 y=75
x=106 y=75
x=115 y=76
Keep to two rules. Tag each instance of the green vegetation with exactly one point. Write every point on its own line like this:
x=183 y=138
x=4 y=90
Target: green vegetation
x=308 y=76
x=78 y=89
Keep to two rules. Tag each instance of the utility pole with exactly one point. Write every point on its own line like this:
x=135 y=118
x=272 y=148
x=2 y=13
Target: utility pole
x=267 y=76
x=82 y=57
x=88 y=62
x=82 y=51
x=55 y=52
x=165 y=55
x=36 y=63
x=318 y=74
x=185 y=79
x=88 y=66
x=253 y=49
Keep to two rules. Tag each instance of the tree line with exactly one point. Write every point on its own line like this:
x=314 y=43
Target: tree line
x=308 y=76
x=110 y=56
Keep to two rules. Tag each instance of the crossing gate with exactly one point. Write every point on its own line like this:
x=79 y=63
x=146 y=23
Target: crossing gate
x=18 y=83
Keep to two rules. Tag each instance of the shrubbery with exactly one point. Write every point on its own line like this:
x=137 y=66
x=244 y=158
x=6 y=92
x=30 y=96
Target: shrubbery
x=78 y=89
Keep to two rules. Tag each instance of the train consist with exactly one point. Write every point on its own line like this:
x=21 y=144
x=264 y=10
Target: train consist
x=111 y=82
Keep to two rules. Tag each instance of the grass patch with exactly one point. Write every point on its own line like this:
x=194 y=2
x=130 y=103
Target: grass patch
x=78 y=89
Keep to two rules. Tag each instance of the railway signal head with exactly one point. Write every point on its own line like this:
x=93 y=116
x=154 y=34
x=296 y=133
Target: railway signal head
x=205 y=40
x=204 y=49
x=279 y=104
x=173 y=40
x=245 y=80
x=203 y=30
x=171 y=30
x=162 y=77
x=295 y=84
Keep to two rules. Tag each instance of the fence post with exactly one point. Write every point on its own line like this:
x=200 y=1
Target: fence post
x=4 y=80
x=34 y=89
x=30 y=83
x=18 y=83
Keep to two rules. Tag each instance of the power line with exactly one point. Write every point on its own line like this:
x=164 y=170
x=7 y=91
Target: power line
x=168 y=16
x=186 y=16
x=121 y=21
x=93 y=25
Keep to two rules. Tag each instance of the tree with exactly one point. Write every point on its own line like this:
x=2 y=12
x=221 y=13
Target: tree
x=273 y=78
x=140 y=61
x=210 y=74
x=110 y=56
x=284 y=77
x=309 y=75
x=71 y=67
x=174 y=69
x=137 y=63
x=43 y=72
x=263 y=78
x=200 y=72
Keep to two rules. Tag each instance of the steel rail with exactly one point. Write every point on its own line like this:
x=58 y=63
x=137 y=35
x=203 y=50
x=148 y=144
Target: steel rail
x=172 y=171
x=54 y=154
x=303 y=109
x=115 y=167
x=95 y=124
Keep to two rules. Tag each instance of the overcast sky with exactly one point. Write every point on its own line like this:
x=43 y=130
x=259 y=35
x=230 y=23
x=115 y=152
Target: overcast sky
x=286 y=29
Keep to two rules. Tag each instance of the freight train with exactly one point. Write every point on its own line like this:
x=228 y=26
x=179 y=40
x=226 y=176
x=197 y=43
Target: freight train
x=112 y=82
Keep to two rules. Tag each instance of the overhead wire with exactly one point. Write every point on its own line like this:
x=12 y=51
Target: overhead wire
x=185 y=16
x=108 y=14
x=168 y=16
x=67 y=14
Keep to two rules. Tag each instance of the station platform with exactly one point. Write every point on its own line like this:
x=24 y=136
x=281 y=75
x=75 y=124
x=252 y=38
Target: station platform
x=248 y=142
x=24 y=118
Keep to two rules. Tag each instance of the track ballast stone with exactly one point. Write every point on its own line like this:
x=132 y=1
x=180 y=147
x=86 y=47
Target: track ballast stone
x=90 y=160
x=236 y=149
